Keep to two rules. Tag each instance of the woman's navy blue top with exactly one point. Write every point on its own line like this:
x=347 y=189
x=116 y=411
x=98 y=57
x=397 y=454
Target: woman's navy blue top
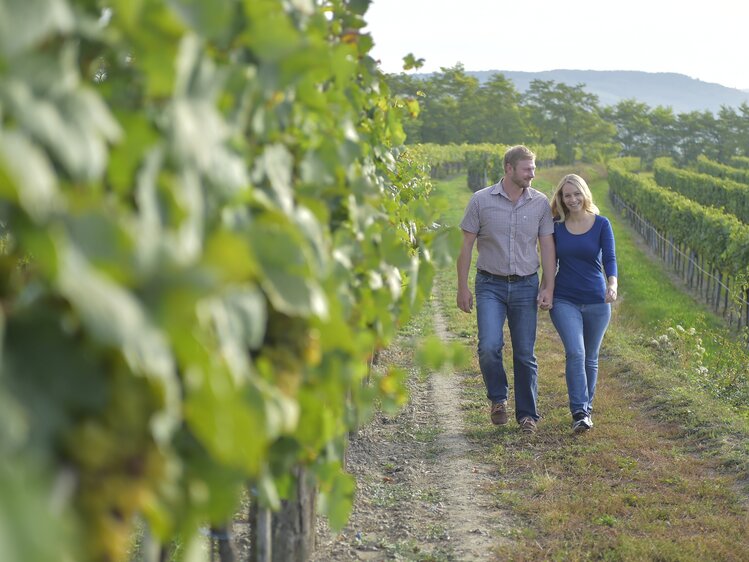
x=582 y=260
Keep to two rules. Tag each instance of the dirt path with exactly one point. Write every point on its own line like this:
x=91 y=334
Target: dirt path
x=472 y=515
x=421 y=495
x=439 y=483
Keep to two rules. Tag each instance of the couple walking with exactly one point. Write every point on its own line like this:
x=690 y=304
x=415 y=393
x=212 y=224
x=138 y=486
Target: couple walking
x=507 y=221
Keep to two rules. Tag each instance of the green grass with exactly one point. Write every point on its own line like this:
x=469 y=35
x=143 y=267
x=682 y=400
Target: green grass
x=650 y=296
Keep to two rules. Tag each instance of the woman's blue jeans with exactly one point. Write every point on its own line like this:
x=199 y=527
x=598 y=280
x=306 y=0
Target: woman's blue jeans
x=581 y=328
x=515 y=301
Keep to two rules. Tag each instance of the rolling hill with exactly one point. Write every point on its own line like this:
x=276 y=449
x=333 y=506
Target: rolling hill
x=678 y=91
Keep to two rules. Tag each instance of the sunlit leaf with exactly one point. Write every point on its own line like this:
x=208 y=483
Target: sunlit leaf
x=105 y=245
x=115 y=318
x=270 y=34
x=230 y=423
x=431 y=353
x=230 y=256
x=316 y=424
x=313 y=233
x=24 y=24
x=337 y=498
x=411 y=62
x=276 y=165
x=267 y=493
x=293 y=295
x=209 y=19
x=392 y=389
x=445 y=246
x=239 y=319
x=74 y=126
x=26 y=491
x=139 y=134
x=31 y=179
x=288 y=280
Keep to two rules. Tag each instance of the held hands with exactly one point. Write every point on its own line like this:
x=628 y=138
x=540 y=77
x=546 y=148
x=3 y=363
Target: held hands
x=545 y=299
x=465 y=300
x=612 y=284
x=611 y=294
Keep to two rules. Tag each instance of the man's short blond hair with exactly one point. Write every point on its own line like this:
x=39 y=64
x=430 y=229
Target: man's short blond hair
x=515 y=154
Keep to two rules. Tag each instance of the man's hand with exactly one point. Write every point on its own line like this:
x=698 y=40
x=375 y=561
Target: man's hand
x=545 y=299
x=465 y=299
x=549 y=265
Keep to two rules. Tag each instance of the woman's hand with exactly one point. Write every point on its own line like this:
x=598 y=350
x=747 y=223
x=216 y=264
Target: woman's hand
x=611 y=290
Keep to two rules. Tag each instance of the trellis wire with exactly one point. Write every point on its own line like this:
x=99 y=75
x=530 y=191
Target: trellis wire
x=709 y=285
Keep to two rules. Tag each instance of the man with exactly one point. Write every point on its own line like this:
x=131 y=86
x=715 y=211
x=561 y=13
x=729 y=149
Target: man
x=509 y=219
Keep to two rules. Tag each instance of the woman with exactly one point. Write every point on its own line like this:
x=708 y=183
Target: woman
x=582 y=292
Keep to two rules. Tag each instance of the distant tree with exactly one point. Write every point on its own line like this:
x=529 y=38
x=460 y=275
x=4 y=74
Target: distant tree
x=568 y=117
x=733 y=128
x=664 y=132
x=742 y=130
x=633 y=127
x=500 y=118
x=455 y=107
x=698 y=134
x=449 y=106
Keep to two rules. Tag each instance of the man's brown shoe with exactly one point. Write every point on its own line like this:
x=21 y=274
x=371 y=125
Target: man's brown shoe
x=499 y=413
x=527 y=425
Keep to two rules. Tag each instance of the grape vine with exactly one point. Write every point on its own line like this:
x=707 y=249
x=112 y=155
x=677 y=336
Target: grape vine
x=208 y=225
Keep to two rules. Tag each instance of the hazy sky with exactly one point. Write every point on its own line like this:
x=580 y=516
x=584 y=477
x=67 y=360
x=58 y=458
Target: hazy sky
x=707 y=40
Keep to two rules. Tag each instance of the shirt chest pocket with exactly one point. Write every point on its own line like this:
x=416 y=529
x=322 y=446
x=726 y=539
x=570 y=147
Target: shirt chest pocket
x=524 y=227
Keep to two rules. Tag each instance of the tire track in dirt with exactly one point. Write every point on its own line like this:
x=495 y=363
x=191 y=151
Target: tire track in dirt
x=421 y=493
x=472 y=516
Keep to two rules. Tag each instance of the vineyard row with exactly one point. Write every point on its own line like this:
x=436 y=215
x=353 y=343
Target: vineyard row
x=707 y=246
x=706 y=189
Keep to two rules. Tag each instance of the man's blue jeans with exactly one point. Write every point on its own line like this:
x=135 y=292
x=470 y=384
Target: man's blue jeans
x=581 y=328
x=515 y=301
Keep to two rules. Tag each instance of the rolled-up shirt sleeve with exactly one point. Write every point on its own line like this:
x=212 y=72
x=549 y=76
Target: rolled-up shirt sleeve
x=471 y=222
x=546 y=224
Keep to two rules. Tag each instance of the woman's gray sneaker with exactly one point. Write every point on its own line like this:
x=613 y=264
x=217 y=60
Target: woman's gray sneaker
x=581 y=422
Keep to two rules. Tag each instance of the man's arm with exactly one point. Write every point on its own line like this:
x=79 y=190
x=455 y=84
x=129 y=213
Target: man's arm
x=465 y=297
x=549 y=265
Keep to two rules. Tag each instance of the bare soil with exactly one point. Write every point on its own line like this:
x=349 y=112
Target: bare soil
x=421 y=495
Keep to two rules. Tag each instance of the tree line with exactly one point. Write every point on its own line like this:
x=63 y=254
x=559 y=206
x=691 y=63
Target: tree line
x=458 y=108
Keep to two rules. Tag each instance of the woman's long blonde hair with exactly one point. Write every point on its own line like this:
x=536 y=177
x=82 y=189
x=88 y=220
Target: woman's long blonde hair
x=559 y=210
